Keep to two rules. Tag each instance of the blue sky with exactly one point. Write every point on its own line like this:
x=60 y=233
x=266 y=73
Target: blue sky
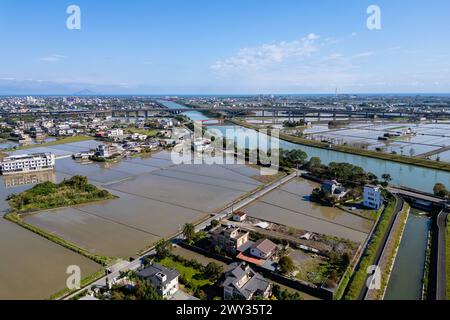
x=232 y=46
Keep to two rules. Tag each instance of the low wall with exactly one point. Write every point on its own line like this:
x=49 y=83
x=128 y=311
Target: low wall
x=318 y=292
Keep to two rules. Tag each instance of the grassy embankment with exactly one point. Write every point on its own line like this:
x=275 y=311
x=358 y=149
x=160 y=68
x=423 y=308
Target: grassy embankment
x=361 y=152
x=48 y=195
x=393 y=250
x=339 y=293
x=84 y=282
x=447 y=244
x=426 y=272
x=358 y=281
x=56 y=142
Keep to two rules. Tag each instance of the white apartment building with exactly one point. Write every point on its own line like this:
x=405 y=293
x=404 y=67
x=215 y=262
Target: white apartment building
x=115 y=133
x=27 y=163
x=372 y=197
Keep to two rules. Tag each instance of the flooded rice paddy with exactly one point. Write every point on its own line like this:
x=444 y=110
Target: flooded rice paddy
x=290 y=205
x=428 y=137
x=156 y=198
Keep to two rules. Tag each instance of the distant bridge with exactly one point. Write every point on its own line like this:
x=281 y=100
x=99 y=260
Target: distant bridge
x=288 y=112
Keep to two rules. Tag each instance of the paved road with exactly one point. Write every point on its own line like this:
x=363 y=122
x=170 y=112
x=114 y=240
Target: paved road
x=441 y=281
x=136 y=264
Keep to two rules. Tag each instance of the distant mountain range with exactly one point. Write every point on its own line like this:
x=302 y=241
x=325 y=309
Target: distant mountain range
x=85 y=92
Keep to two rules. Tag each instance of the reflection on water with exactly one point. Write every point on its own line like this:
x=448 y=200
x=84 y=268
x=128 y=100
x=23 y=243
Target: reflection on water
x=156 y=198
x=290 y=205
x=405 y=175
x=16 y=180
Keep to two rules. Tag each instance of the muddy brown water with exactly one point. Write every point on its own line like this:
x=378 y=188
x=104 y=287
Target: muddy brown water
x=290 y=205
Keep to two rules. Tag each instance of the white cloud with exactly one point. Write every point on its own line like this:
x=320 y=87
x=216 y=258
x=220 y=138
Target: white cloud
x=364 y=54
x=53 y=58
x=267 y=55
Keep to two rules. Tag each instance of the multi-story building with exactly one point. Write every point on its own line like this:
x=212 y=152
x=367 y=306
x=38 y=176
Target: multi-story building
x=27 y=163
x=164 y=280
x=242 y=282
x=107 y=151
x=372 y=197
x=115 y=133
x=229 y=238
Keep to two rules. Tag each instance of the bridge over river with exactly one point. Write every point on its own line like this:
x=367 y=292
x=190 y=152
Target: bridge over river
x=290 y=112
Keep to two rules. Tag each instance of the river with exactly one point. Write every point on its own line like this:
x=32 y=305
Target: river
x=411 y=176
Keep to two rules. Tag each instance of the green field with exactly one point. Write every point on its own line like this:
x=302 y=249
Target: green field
x=192 y=276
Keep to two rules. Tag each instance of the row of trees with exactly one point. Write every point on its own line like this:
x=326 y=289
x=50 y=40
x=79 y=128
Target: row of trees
x=293 y=124
x=349 y=175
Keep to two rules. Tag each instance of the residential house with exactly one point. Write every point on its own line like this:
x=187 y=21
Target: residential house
x=239 y=216
x=229 y=238
x=242 y=282
x=263 y=249
x=334 y=188
x=163 y=279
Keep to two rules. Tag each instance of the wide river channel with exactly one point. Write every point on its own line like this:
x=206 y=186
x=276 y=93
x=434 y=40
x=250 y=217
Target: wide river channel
x=411 y=176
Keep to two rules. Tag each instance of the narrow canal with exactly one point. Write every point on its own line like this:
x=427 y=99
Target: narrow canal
x=407 y=276
x=411 y=176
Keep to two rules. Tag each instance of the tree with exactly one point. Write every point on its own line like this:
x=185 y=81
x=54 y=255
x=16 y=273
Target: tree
x=163 y=248
x=440 y=190
x=286 y=265
x=215 y=223
x=213 y=271
x=314 y=163
x=292 y=158
x=143 y=290
x=189 y=232
x=386 y=178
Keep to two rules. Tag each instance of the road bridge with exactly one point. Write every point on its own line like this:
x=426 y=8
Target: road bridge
x=289 y=112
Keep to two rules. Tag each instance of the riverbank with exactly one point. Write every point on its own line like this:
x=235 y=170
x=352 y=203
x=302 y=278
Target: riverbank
x=387 y=259
x=407 y=278
x=358 y=280
x=345 y=149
